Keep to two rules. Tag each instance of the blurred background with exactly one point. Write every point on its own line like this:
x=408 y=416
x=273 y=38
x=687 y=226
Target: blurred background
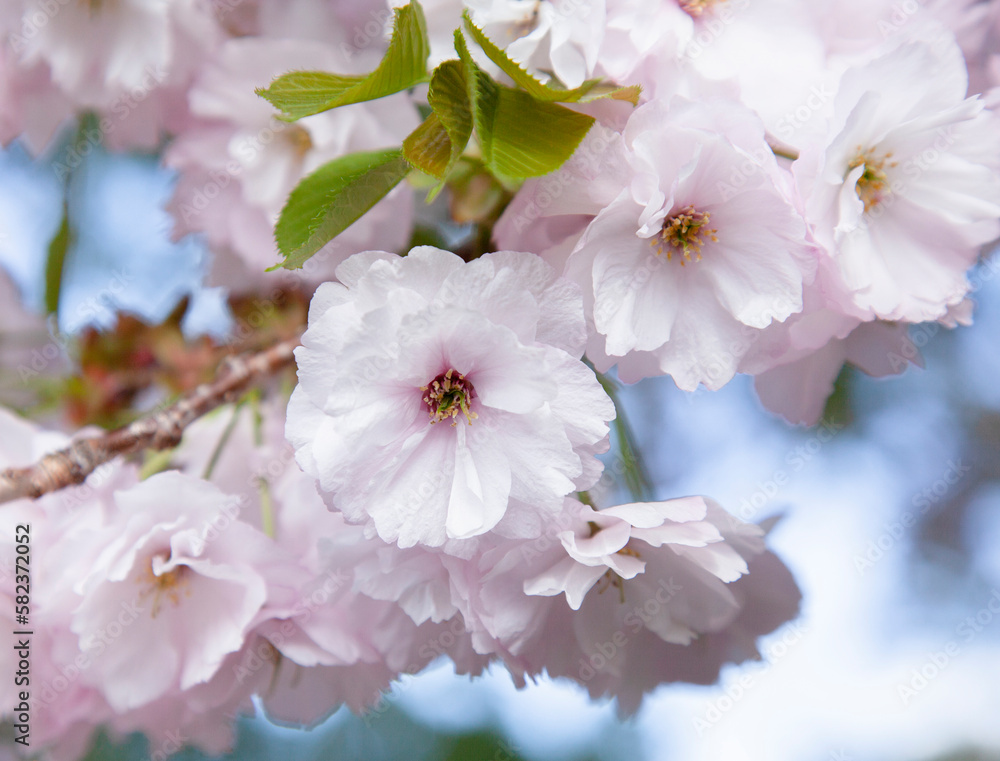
x=890 y=520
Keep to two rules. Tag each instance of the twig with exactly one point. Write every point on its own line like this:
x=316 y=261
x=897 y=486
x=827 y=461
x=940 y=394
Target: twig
x=161 y=430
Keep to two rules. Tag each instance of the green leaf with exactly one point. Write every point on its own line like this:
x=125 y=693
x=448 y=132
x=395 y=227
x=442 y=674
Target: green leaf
x=55 y=262
x=611 y=91
x=332 y=198
x=592 y=89
x=520 y=136
x=303 y=93
x=529 y=138
x=428 y=147
x=437 y=144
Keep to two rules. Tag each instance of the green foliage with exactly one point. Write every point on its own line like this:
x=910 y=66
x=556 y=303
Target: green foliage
x=55 y=262
x=522 y=131
x=303 y=93
x=332 y=198
x=482 y=746
x=437 y=145
x=838 y=407
x=519 y=135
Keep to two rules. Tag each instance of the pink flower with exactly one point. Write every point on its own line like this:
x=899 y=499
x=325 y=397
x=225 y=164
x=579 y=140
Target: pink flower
x=189 y=578
x=131 y=60
x=798 y=387
x=440 y=400
x=699 y=248
x=904 y=190
x=662 y=594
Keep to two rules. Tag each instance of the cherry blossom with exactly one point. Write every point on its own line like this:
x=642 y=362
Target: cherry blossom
x=899 y=193
x=440 y=400
x=698 y=247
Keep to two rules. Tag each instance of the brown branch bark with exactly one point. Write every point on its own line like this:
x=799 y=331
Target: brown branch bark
x=160 y=430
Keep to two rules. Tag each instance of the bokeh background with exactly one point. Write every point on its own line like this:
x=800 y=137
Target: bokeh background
x=889 y=519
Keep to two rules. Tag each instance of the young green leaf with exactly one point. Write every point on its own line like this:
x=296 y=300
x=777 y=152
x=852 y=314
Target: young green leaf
x=448 y=95
x=529 y=138
x=592 y=89
x=303 y=93
x=332 y=198
x=437 y=144
x=428 y=147
x=55 y=263
x=519 y=135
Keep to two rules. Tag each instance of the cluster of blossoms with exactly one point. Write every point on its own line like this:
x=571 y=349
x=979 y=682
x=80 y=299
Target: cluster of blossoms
x=797 y=185
x=163 y=603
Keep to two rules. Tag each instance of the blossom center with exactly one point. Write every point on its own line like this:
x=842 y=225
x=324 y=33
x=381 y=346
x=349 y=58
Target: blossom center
x=684 y=233
x=449 y=394
x=94 y=7
x=611 y=577
x=168 y=585
x=872 y=186
x=299 y=139
x=695 y=8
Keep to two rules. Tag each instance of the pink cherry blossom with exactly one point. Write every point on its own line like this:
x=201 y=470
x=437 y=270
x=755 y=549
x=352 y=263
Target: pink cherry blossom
x=193 y=577
x=130 y=61
x=441 y=400
x=651 y=579
x=901 y=193
x=698 y=248
x=558 y=36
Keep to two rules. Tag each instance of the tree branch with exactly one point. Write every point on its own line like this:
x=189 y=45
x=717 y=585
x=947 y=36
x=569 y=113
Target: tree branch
x=161 y=430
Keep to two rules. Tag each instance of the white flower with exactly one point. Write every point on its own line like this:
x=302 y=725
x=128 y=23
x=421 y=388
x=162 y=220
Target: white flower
x=901 y=193
x=184 y=579
x=662 y=592
x=697 y=251
x=440 y=400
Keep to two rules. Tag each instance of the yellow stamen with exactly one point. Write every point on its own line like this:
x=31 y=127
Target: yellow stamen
x=872 y=187
x=448 y=395
x=684 y=233
x=169 y=585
